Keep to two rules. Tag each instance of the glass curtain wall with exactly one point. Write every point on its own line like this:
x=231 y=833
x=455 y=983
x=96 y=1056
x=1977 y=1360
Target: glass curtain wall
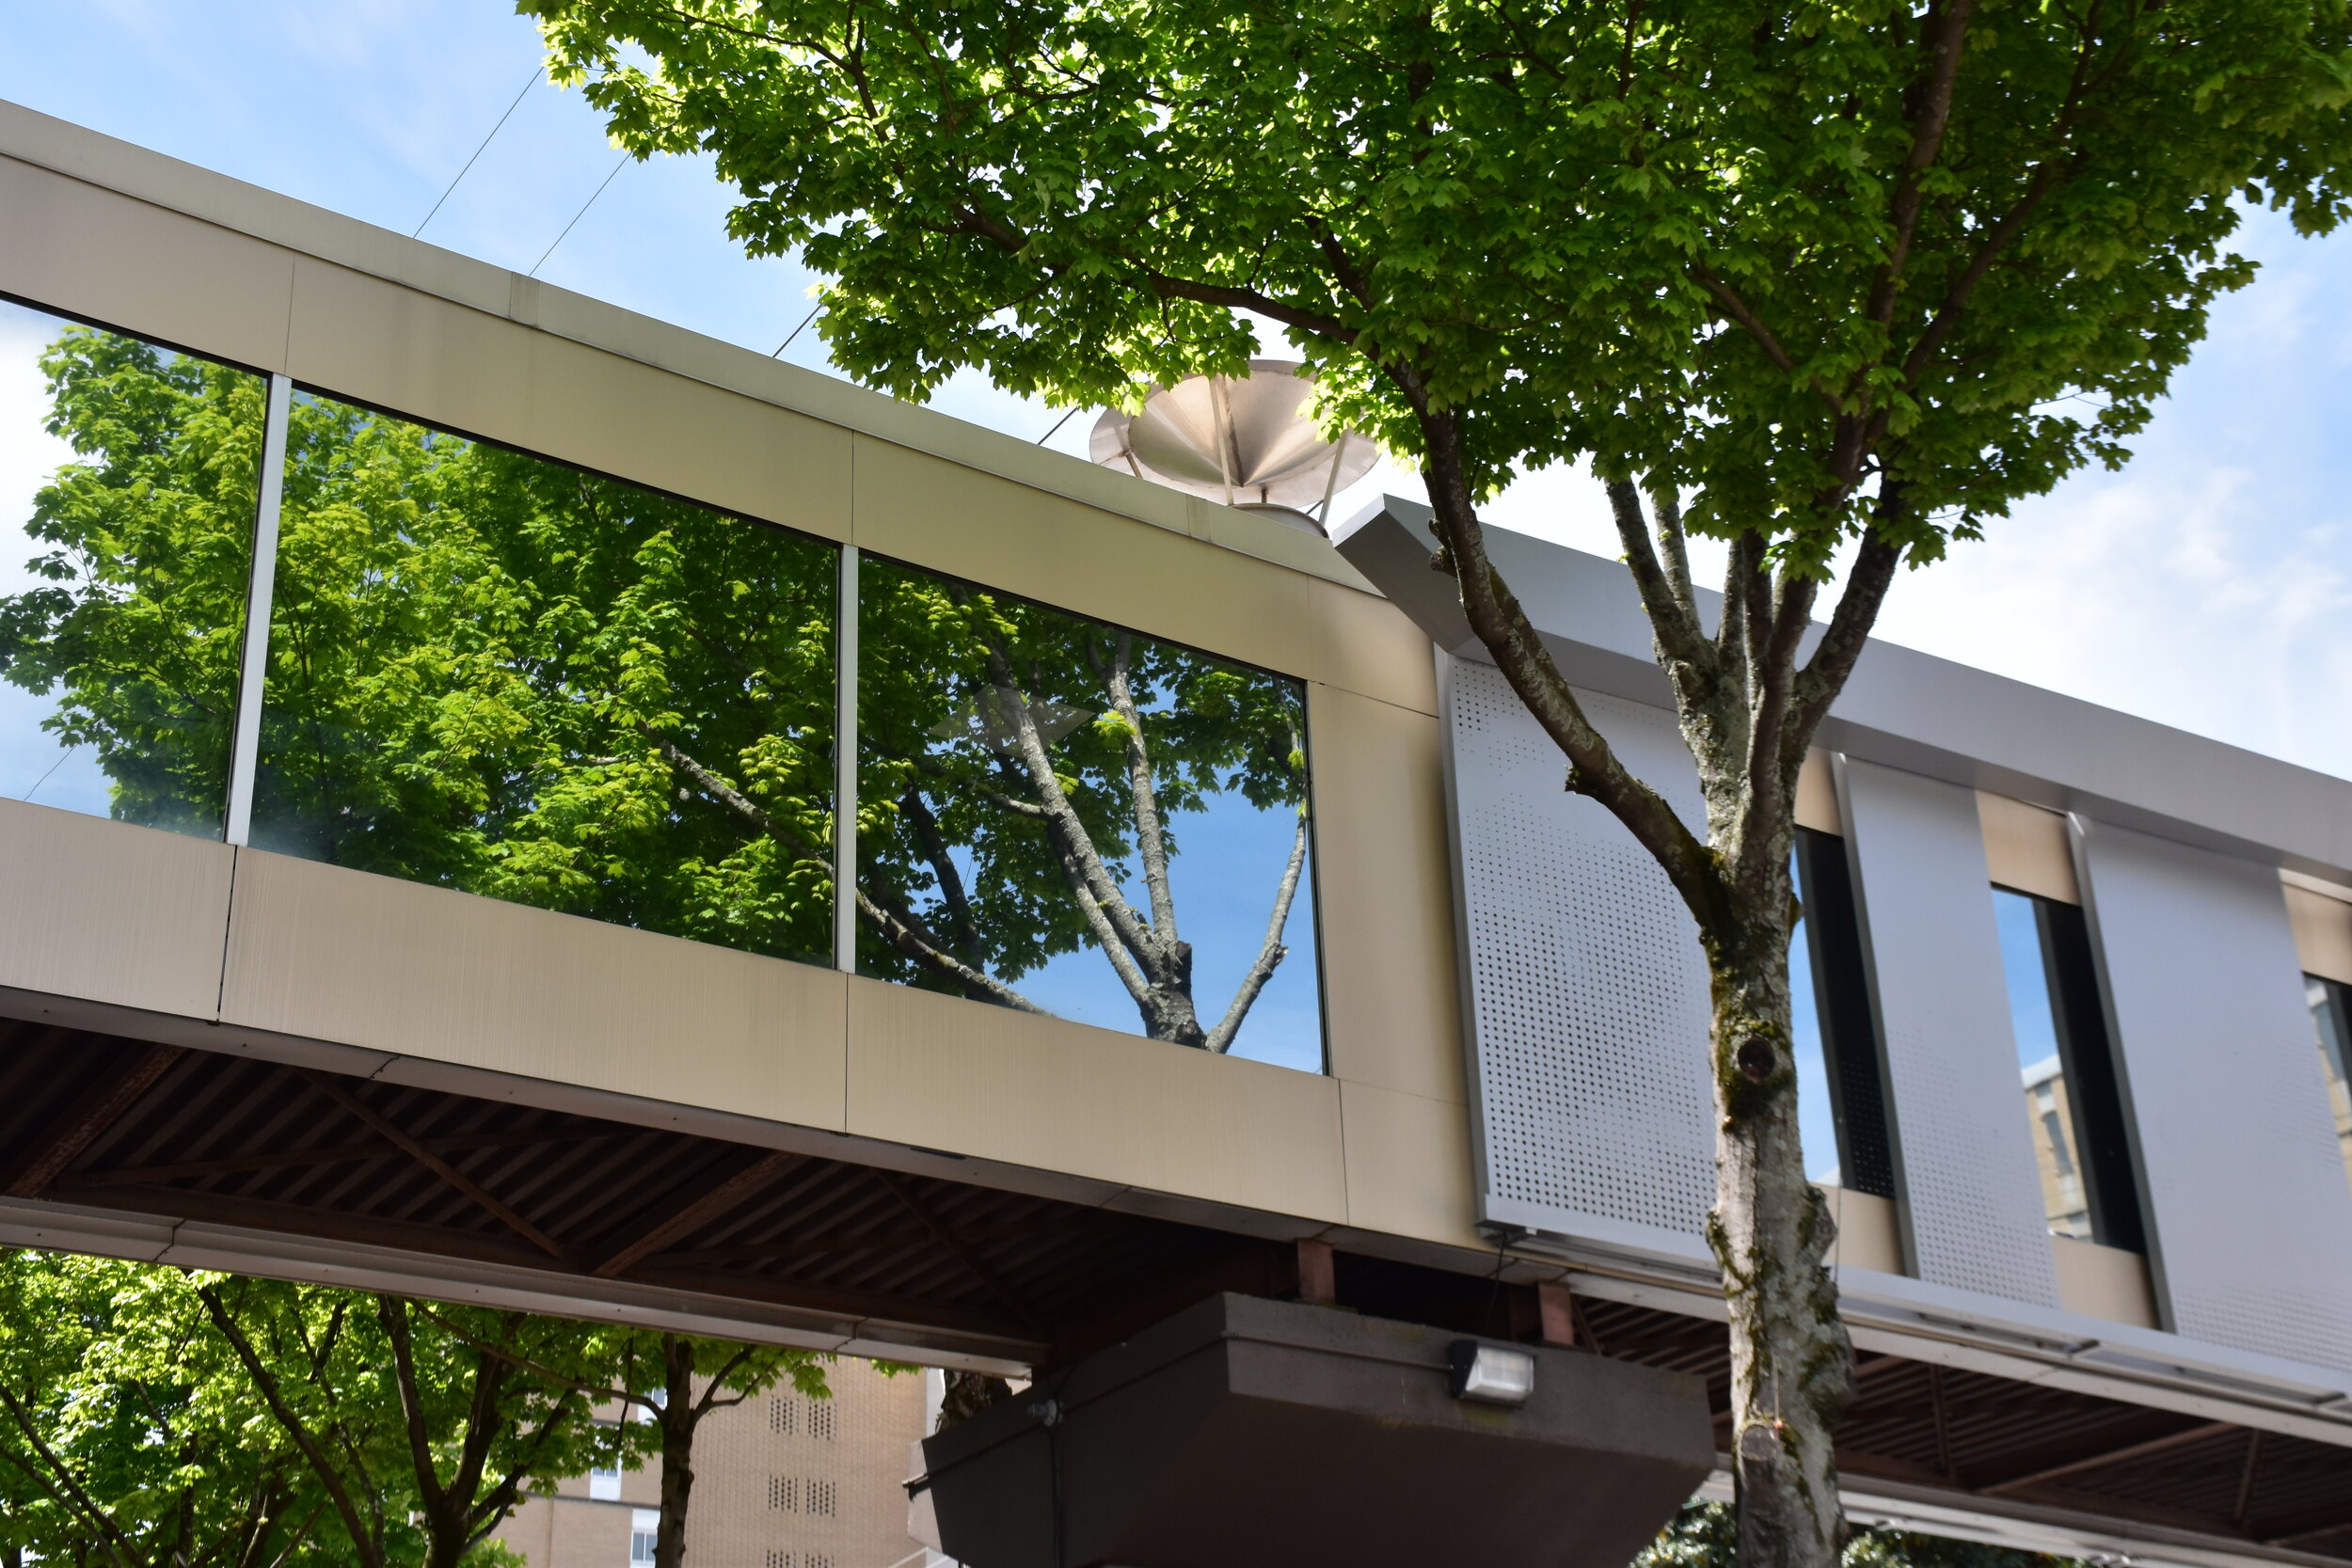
x=129 y=477
x=2331 y=1016
x=494 y=672
x=1067 y=818
x=2073 y=1101
x=1841 y=1112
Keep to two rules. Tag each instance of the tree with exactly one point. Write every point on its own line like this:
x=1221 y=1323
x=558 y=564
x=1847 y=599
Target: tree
x=419 y=1424
x=1830 y=284
x=1707 y=1535
x=126 y=1430
x=672 y=1382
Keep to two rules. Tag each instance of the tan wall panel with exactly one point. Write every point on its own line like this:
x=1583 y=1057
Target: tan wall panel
x=2322 y=933
x=941 y=1073
x=78 y=248
x=2027 y=848
x=445 y=364
x=1392 y=998
x=929 y=512
x=344 y=955
x=111 y=912
x=1408 y=1167
x=2104 y=1282
x=1816 y=795
x=1868 y=1234
x=1370 y=647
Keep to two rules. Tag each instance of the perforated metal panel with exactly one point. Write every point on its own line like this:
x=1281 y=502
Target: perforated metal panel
x=2250 y=1219
x=1587 y=989
x=1971 y=1199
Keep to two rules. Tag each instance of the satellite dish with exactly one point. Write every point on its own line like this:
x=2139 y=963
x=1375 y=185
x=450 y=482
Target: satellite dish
x=1245 y=441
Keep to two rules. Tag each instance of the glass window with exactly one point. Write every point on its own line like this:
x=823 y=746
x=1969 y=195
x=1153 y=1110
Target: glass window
x=2074 y=1100
x=128 y=486
x=495 y=673
x=645 y=1535
x=1058 y=816
x=1841 y=1114
x=2331 y=1015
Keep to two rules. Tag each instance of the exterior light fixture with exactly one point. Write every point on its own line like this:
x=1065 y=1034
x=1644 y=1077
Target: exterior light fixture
x=1491 y=1375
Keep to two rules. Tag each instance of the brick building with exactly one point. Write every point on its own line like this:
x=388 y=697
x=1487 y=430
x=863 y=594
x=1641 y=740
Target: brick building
x=780 y=1482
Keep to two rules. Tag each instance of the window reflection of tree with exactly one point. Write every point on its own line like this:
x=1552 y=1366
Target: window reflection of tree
x=1024 y=777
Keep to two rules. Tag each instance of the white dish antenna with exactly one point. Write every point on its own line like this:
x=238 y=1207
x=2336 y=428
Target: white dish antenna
x=1245 y=441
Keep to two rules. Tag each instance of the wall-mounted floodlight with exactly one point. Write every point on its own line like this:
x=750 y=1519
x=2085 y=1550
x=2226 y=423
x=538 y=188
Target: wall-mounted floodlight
x=1491 y=1375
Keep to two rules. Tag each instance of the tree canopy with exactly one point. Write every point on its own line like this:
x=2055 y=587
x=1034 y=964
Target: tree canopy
x=1817 y=277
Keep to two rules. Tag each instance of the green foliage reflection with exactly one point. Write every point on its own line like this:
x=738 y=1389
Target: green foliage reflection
x=481 y=665
x=137 y=625
x=497 y=673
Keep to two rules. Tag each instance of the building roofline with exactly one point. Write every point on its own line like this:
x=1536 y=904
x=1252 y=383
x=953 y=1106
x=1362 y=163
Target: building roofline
x=1903 y=707
x=143 y=174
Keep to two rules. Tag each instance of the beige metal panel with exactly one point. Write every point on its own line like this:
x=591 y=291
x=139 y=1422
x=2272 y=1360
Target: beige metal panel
x=1408 y=1167
x=111 y=912
x=335 y=955
x=442 y=363
x=2104 y=1282
x=941 y=1073
x=931 y=512
x=1368 y=645
x=2322 y=932
x=1869 y=1233
x=1390 y=995
x=1817 y=795
x=1270 y=539
x=88 y=251
x=2027 y=847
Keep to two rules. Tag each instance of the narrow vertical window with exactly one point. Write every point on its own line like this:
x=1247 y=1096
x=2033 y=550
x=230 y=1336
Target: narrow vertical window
x=129 y=477
x=1841 y=1112
x=2074 y=1097
x=2331 y=1016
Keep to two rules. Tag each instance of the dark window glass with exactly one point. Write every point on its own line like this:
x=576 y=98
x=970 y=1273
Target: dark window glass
x=1841 y=1114
x=128 y=481
x=495 y=673
x=2074 y=1100
x=1060 y=815
x=2331 y=1016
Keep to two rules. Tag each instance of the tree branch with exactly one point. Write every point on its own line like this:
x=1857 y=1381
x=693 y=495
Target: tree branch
x=272 y=1395
x=1149 y=845
x=1270 y=952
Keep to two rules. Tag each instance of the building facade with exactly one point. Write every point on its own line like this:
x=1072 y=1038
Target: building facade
x=780 y=1480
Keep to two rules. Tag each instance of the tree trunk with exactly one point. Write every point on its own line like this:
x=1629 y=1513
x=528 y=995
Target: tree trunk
x=677 y=1418
x=1791 y=1364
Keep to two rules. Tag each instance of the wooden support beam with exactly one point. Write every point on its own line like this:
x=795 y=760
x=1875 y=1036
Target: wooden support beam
x=1555 y=1311
x=964 y=1255
x=712 y=1203
x=2245 y=1508
x=294 y=1159
x=410 y=1146
x=1943 y=1422
x=2105 y=1457
x=1318 y=1274
x=100 y=1108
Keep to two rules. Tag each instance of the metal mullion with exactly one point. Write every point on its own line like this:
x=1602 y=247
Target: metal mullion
x=245 y=744
x=845 y=766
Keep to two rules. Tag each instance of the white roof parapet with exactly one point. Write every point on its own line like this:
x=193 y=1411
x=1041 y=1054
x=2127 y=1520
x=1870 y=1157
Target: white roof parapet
x=1903 y=708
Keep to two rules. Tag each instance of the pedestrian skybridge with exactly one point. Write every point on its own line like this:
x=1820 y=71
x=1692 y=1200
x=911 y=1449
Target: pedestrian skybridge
x=511 y=801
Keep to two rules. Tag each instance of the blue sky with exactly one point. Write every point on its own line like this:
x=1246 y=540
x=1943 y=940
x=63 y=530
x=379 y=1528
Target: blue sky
x=2208 y=585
